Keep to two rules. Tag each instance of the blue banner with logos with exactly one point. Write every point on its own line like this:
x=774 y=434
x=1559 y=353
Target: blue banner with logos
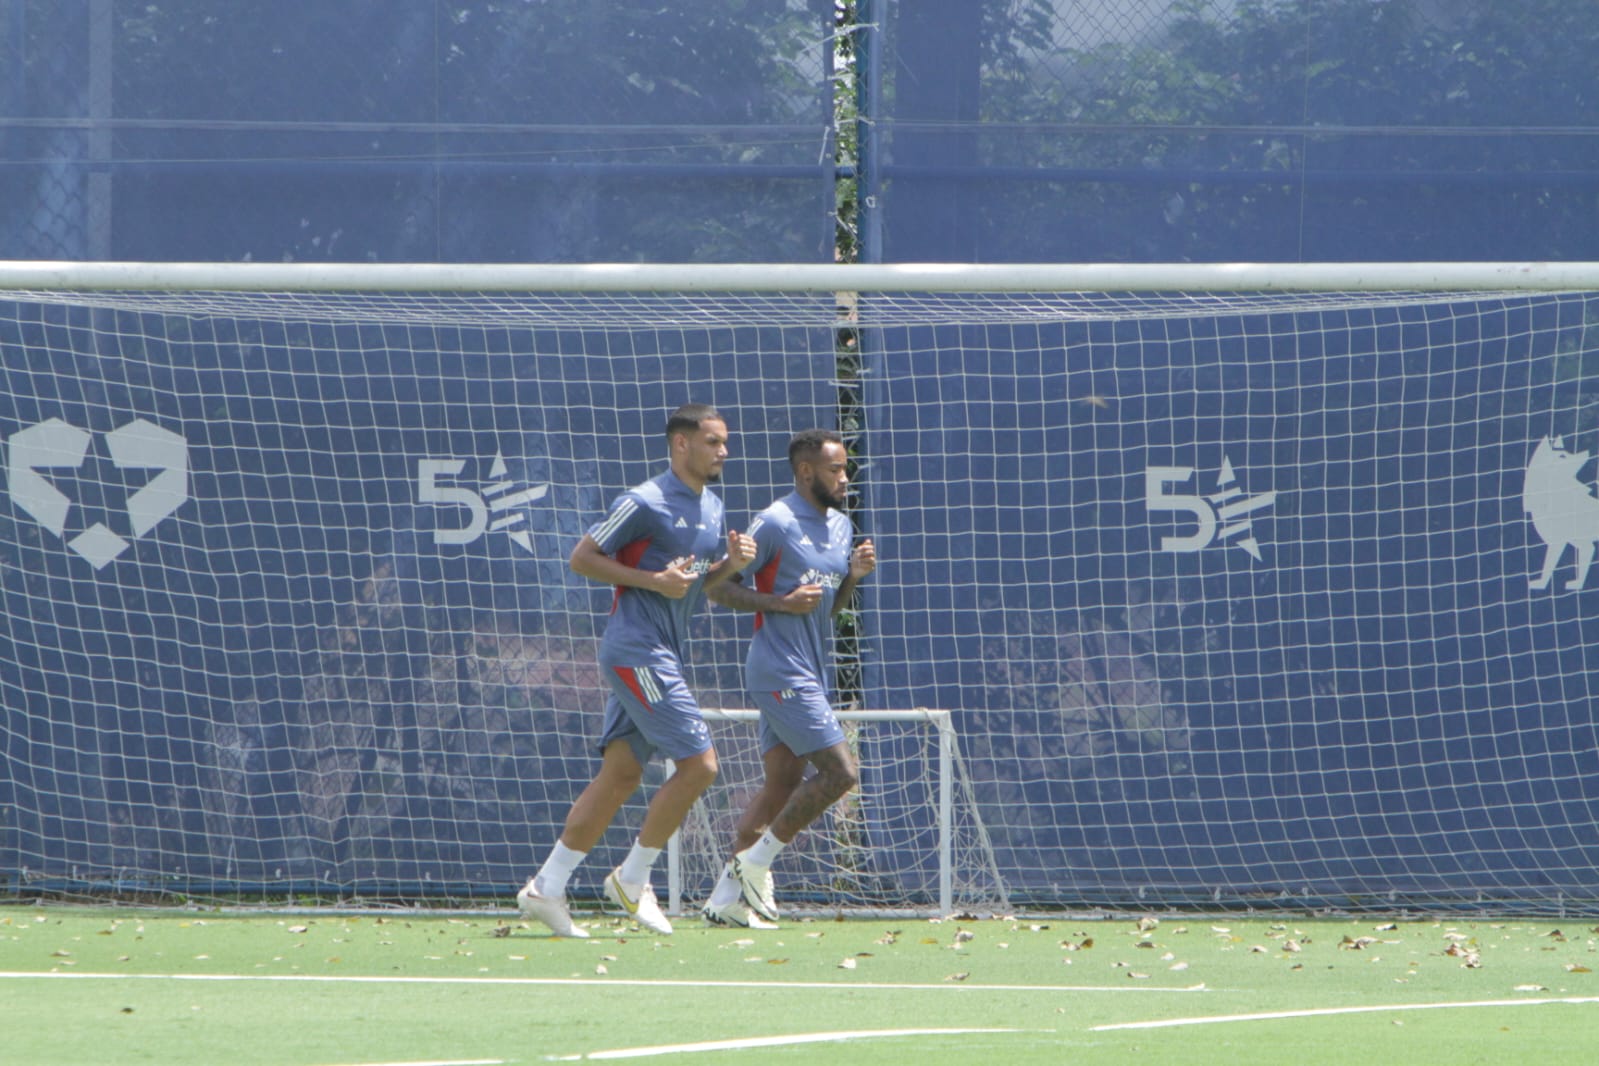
x=1246 y=606
x=288 y=604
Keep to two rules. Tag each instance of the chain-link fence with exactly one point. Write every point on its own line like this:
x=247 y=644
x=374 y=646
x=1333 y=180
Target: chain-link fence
x=1210 y=130
x=392 y=130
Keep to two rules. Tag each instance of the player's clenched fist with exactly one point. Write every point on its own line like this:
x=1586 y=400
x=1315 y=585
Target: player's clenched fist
x=678 y=577
x=740 y=549
x=802 y=600
x=863 y=560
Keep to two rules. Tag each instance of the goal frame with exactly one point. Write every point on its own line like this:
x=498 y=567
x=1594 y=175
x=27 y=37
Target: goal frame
x=823 y=295
x=84 y=275
x=939 y=720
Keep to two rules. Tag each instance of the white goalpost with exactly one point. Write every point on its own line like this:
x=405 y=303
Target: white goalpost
x=961 y=865
x=1235 y=584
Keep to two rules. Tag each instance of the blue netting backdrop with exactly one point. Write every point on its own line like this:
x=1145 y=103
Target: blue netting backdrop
x=1241 y=606
x=287 y=678
x=1341 y=688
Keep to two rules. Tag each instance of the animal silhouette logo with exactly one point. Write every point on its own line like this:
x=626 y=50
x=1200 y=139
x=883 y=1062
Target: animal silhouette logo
x=1564 y=509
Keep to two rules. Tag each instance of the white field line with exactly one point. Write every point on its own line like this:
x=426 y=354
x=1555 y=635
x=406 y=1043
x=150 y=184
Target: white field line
x=763 y=1041
x=434 y=1062
x=1321 y=1012
x=590 y=982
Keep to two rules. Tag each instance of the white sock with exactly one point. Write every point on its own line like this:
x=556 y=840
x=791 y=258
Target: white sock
x=727 y=888
x=552 y=877
x=764 y=850
x=635 y=868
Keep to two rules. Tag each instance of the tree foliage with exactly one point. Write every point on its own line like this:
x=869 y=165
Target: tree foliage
x=1294 y=129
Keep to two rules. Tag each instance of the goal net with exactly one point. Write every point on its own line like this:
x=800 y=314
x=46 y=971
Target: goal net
x=1240 y=585
x=285 y=608
x=917 y=845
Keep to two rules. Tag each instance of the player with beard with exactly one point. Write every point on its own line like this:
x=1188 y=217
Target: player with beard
x=805 y=570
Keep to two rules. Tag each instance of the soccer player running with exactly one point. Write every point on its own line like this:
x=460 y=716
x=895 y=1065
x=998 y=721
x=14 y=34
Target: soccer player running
x=656 y=547
x=805 y=571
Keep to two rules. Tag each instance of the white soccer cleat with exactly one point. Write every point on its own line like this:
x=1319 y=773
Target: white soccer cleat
x=735 y=913
x=756 y=882
x=551 y=911
x=640 y=905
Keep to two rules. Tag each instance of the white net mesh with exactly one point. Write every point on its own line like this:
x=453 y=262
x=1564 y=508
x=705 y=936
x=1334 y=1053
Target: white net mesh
x=1233 y=596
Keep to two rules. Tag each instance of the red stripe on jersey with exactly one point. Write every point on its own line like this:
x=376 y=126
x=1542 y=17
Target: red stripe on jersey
x=628 y=554
x=630 y=679
x=766 y=581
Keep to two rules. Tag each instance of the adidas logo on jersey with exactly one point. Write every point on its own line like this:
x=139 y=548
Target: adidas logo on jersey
x=681 y=523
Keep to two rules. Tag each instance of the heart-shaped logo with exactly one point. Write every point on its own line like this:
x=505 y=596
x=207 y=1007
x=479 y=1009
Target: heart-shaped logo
x=57 y=445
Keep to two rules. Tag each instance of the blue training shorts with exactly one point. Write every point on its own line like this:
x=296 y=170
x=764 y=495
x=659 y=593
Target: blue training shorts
x=799 y=717
x=652 y=709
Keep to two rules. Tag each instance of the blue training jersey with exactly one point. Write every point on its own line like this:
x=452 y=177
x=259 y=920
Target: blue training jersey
x=795 y=544
x=647 y=527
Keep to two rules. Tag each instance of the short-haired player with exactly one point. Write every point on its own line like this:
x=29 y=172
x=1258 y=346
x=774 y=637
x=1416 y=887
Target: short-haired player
x=655 y=546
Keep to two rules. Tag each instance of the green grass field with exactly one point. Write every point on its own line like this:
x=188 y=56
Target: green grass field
x=89 y=986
